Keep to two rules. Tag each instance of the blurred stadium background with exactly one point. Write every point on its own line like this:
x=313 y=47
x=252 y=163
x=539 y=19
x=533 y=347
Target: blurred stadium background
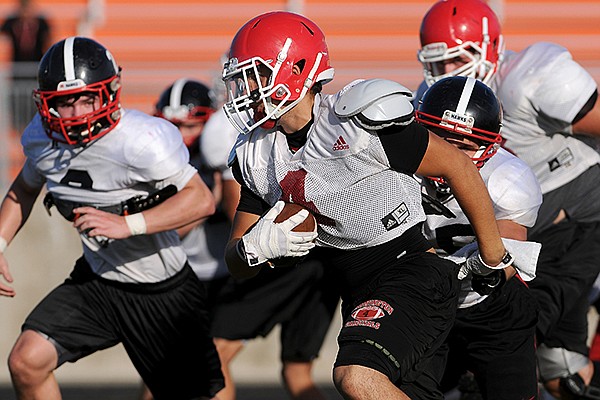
x=157 y=42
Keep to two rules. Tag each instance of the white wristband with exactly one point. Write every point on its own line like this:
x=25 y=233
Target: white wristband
x=506 y=261
x=136 y=223
x=3 y=244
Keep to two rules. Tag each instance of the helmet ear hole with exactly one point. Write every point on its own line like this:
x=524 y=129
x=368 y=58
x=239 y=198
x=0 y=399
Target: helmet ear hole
x=299 y=67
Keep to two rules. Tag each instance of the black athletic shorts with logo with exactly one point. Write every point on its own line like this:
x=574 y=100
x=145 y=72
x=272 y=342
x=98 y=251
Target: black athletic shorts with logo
x=397 y=324
x=163 y=327
x=302 y=298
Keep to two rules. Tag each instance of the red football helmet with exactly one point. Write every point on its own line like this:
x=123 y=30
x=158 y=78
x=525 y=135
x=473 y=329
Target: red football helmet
x=260 y=69
x=467 y=29
x=72 y=67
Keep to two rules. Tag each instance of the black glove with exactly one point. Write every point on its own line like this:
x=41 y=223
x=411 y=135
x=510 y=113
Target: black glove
x=486 y=284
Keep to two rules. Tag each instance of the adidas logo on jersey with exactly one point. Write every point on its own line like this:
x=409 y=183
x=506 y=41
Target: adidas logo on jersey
x=396 y=217
x=340 y=144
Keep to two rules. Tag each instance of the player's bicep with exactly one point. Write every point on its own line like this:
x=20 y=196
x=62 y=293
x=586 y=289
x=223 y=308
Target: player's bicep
x=441 y=159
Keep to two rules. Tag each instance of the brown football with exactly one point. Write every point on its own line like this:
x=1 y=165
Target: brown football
x=308 y=225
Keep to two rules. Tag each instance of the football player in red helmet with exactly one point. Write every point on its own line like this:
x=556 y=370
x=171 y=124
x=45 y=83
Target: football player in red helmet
x=460 y=37
x=349 y=158
x=267 y=75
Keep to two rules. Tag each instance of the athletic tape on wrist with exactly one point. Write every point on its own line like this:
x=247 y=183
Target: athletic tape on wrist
x=136 y=223
x=3 y=244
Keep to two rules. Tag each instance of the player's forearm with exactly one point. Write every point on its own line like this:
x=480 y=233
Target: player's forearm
x=473 y=197
x=16 y=208
x=191 y=204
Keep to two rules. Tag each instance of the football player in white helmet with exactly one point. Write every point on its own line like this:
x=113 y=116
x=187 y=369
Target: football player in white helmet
x=467 y=113
x=547 y=98
x=123 y=178
x=349 y=158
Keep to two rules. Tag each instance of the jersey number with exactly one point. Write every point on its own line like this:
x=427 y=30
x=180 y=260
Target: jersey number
x=293 y=191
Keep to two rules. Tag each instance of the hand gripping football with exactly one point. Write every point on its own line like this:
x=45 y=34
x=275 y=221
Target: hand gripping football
x=308 y=225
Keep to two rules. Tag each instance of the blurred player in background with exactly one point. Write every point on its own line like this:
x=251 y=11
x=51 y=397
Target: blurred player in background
x=549 y=103
x=122 y=177
x=494 y=333
x=188 y=104
x=301 y=300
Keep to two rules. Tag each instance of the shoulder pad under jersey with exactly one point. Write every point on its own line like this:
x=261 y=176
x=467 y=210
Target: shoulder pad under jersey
x=375 y=103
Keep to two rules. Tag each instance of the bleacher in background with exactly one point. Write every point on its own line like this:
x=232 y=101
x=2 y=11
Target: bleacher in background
x=157 y=42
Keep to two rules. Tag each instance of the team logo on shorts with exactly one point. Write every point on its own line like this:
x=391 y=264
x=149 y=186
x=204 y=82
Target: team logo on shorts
x=365 y=314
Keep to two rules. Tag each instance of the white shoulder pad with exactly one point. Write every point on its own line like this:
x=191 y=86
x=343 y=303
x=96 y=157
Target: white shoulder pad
x=375 y=103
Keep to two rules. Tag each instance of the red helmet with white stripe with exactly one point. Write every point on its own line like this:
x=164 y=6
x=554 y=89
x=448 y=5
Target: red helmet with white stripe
x=465 y=29
x=274 y=60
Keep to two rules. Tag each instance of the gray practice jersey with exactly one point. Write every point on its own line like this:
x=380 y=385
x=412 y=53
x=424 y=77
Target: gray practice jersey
x=515 y=195
x=205 y=244
x=542 y=89
x=342 y=174
x=140 y=155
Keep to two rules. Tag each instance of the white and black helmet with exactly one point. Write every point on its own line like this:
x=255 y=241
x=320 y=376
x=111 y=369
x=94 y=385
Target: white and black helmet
x=74 y=66
x=467 y=107
x=186 y=100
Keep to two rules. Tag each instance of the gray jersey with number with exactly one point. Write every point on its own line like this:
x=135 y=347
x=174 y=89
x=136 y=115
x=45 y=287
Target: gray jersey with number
x=140 y=155
x=342 y=174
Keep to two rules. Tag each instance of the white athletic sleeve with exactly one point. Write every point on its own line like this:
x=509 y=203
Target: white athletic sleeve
x=565 y=88
x=515 y=192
